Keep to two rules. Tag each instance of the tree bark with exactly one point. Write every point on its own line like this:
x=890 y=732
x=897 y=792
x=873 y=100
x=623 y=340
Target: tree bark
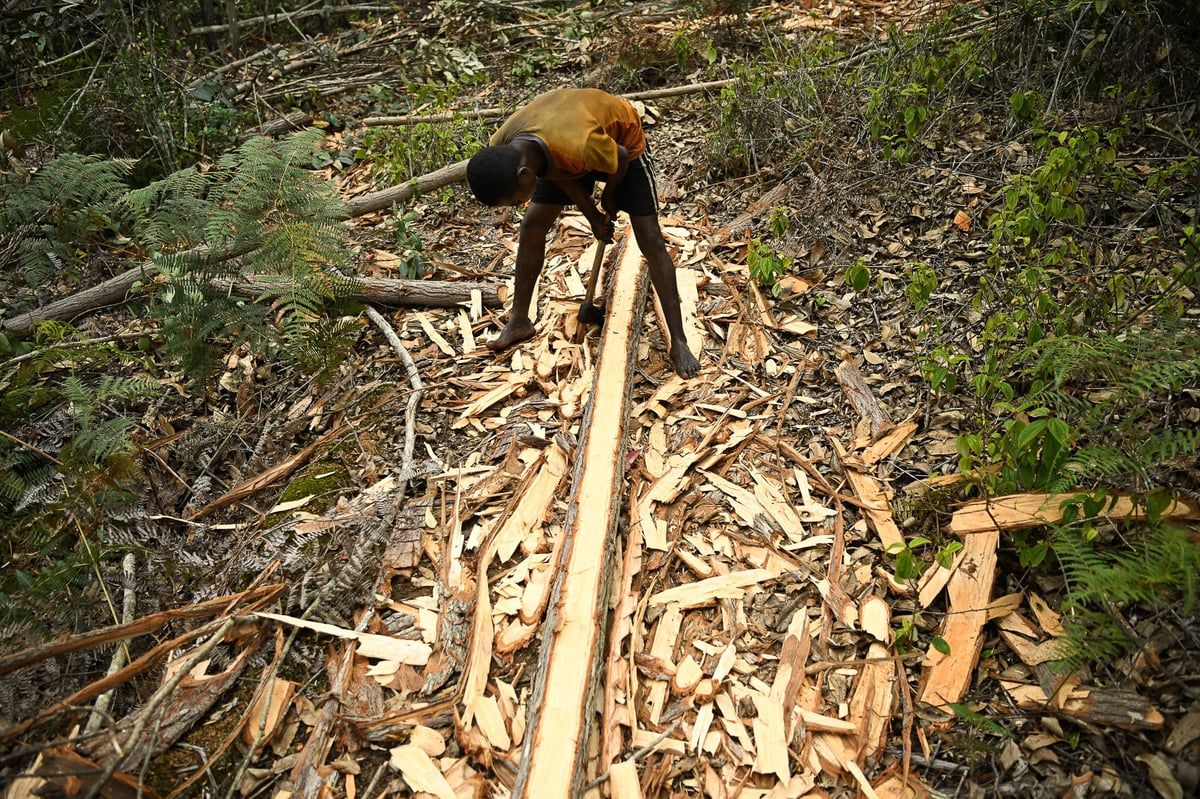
x=388 y=291
x=112 y=291
x=490 y=113
x=418 y=293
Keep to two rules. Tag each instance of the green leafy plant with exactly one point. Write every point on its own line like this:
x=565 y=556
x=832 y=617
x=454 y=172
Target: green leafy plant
x=943 y=366
x=70 y=203
x=767 y=264
x=408 y=243
x=259 y=202
x=922 y=282
x=690 y=47
x=913 y=82
x=858 y=275
x=979 y=721
x=1154 y=565
x=60 y=494
x=770 y=115
x=404 y=153
x=909 y=565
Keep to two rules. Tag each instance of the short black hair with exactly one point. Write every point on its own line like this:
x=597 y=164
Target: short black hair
x=492 y=173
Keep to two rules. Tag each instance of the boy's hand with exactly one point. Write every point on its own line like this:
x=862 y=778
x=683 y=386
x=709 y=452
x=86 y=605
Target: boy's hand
x=602 y=225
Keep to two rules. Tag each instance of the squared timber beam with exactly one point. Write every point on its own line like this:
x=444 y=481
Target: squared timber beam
x=555 y=755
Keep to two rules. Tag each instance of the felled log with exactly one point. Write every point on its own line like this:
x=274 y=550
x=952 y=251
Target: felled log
x=385 y=198
x=116 y=289
x=556 y=747
x=394 y=291
x=383 y=291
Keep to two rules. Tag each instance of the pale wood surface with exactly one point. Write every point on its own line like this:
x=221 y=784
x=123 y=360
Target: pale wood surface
x=555 y=752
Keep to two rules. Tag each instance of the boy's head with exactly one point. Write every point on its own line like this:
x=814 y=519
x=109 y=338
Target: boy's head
x=499 y=176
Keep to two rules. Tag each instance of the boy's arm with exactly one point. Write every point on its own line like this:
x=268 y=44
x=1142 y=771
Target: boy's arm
x=602 y=226
x=608 y=199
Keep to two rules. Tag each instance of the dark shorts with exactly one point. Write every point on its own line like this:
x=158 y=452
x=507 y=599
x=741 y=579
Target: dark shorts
x=636 y=195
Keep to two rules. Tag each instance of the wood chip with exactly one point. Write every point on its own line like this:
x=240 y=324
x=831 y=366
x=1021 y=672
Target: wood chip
x=623 y=779
x=705 y=592
x=370 y=645
x=420 y=772
x=275 y=701
x=770 y=739
x=947 y=677
x=1020 y=511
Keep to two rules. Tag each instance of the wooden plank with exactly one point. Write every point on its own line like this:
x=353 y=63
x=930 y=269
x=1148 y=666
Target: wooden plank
x=663 y=648
x=555 y=752
x=725 y=586
x=874 y=495
x=947 y=677
x=625 y=780
x=1018 y=511
x=871 y=702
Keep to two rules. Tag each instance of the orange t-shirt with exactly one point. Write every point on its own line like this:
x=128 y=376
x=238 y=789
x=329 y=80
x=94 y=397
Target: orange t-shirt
x=580 y=127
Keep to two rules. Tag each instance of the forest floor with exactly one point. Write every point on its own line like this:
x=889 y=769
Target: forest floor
x=759 y=642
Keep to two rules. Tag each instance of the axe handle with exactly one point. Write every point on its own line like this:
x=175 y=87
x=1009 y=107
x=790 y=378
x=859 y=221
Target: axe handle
x=597 y=261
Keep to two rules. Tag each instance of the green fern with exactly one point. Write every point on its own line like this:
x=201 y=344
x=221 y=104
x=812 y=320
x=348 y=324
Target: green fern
x=92 y=434
x=1111 y=390
x=262 y=201
x=58 y=493
x=165 y=213
x=1154 y=566
x=71 y=201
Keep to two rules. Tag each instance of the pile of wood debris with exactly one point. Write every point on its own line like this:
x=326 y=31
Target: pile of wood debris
x=639 y=587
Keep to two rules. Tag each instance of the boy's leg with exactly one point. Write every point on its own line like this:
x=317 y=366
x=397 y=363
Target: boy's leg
x=531 y=255
x=662 y=276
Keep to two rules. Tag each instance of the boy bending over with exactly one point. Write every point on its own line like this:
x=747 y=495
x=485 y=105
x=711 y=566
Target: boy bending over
x=551 y=153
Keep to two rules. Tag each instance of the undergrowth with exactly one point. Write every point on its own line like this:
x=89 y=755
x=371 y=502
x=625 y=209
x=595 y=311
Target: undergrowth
x=1087 y=352
x=258 y=216
x=1085 y=355
x=59 y=493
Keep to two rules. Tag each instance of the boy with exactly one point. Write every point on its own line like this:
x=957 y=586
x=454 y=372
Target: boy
x=551 y=153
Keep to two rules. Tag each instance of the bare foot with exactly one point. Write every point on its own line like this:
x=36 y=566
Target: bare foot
x=515 y=331
x=686 y=364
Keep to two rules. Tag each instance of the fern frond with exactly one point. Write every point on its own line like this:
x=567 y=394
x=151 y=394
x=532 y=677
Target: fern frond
x=168 y=212
x=1157 y=565
x=1098 y=462
x=99 y=443
x=68 y=184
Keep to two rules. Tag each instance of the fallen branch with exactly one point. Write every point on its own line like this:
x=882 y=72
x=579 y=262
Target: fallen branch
x=384 y=291
x=393 y=291
x=386 y=198
x=252 y=598
x=87 y=693
x=492 y=113
x=414 y=379
x=291 y=16
x=121 y=655
x=114 y=290
x=1021 y=511
x=376 y=290
x=120 y=752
